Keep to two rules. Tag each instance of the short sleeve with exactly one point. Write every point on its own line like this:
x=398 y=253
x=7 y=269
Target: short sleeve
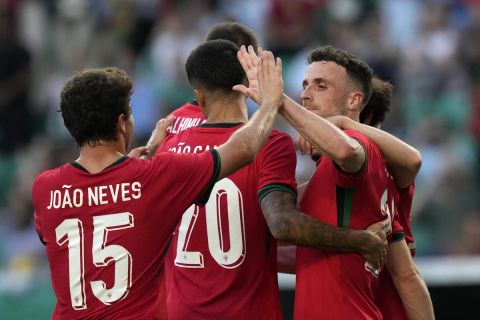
x=276 y=164
x=373 y=159
x=397 y=228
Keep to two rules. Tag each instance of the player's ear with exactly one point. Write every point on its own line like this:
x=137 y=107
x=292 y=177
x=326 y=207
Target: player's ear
x=122 y=123
x=355 y=101
x=200 y=97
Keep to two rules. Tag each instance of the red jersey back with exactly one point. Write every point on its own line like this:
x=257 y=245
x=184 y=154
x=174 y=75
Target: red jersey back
x=187 y=116
x=331 y=284
x=386 y=295
x=106 y=233
x=222 y=262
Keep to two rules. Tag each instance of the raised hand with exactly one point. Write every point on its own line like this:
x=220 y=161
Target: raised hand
x=158 y=135
x=249 y=59
x=270 y=82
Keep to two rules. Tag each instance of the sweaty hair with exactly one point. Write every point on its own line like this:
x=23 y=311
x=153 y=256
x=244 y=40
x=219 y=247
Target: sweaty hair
x=91 y=102
x=379 y=103
x=235 y=32
x=357 y=70
x=213 y=65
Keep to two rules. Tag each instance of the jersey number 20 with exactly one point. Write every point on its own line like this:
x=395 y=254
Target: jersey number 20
x=216 y=240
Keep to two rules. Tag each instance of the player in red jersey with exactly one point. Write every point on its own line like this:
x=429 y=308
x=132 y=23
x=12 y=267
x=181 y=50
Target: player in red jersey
x=230 y=238
x=106 y=219
x=190 y=114
x=386 y=296
x=351 y=186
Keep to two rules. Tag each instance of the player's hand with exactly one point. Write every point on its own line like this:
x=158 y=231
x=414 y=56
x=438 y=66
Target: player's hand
x=270 y=82
x=375 y=251
x=339 y=121
x=304 y=145
x=249 y=59
x=138 y=152
x=158 y=135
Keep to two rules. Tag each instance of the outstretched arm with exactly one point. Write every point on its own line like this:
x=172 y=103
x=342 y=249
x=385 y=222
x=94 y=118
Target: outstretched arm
x=287 y=224
x=409 y=283
x=243 y=145
x=403 y=160
x=343 y=150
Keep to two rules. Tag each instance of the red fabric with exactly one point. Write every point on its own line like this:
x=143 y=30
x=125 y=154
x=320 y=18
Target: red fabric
x=138 y=205
x=335 y=285
x=187 y=116
x=236 y=277
x=386 y=295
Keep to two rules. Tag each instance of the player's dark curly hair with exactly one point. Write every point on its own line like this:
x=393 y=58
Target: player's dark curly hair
x=214 y=66
x=91 y=102
x=235 y=32
x=356 y=69
x=379 y=103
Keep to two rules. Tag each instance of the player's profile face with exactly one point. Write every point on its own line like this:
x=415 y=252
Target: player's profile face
x=324 y=88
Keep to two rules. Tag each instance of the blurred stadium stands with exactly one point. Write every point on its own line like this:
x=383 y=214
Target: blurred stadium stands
x=428 y=49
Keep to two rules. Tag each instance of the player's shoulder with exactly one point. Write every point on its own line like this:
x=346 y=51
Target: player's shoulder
x=187 y=108
x=51 y=175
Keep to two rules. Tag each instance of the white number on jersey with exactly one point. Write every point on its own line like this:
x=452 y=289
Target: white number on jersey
x=215 y=237
x=71 y=230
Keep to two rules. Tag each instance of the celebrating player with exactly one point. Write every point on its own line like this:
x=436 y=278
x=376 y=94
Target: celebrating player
x=350 y=187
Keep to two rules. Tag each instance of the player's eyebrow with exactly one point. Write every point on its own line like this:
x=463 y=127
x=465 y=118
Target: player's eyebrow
x=315 y=80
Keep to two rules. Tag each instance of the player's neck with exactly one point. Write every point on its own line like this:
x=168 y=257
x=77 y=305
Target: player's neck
x=95 y=159
x=222 y=112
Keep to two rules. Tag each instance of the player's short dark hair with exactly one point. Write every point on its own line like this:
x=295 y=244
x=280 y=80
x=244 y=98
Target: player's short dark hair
x=357 y=70
x=235 y=32
x=379 y=103
x=91 y=102
x=214 y=66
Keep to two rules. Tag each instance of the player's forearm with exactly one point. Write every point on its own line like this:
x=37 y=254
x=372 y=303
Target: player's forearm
x=408 y=282
x=343 y=150
x=404 y=161
x=289 y=225
x=415 y=296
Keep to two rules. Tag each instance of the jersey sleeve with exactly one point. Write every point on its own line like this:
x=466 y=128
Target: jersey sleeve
x=397 y=228
x=191 y=177
x=36 y=216
x=373 y=159
x=276 y=164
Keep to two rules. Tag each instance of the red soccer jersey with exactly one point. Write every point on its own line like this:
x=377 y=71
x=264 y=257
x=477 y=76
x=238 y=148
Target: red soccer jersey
x=331 y=284
x=187 y=116
x=106 y=233
x=386 y=295
x=222 y=261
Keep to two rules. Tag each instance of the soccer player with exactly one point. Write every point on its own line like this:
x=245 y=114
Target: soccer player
x=222 y=262
x=386 y=296
x=190 y=114
x=105 y=218
x=350 y=187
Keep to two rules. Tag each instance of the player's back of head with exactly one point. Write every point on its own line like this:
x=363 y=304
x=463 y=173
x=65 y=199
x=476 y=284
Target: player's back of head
x=235 y=32
x=357 y=70
x=213 y=66
x=378 y=105
x=91 y=102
